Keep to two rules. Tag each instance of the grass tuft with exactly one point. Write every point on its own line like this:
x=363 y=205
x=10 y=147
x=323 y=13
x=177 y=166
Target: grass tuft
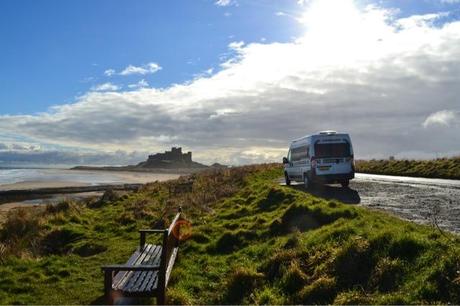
x=241 y=282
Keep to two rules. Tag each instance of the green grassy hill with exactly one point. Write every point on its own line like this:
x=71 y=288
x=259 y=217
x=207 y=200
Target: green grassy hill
x=253 y=241
x=447 y=168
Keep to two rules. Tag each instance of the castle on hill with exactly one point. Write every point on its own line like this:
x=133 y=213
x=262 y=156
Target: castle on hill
x=175 y=155
x=170 y=159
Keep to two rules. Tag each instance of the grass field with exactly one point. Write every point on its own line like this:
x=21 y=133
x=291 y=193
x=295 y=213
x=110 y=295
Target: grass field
x=447 y=168
x=253 y=241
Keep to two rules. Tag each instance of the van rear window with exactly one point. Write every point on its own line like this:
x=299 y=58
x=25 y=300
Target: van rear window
x=332 y=150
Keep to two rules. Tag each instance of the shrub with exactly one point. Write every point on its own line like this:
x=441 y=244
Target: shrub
x=59 y=241
x=321 y=291
x=295 y=218
x=277 y=262
x=405 y=247
x=354 y=298
x=178 y=297
x=126 y=218
x=59 y=207
x=232 y=241
x=275 y=197
x=108 y=196
x=386 y=274
x=89 y=249
x=294 y=278
x=293 y=241
x=241 y=282
x=268 y=296
x=354 y=256
x=20 y=223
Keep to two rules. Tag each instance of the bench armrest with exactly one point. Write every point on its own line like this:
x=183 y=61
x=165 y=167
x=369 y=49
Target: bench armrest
x=130 y=268
x=144 y=232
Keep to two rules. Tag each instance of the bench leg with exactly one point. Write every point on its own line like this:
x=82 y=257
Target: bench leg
x=161 y=297
x=108 y=287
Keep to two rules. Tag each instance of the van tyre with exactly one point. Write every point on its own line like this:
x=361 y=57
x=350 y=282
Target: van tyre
x=345 y=184
x=286 y=179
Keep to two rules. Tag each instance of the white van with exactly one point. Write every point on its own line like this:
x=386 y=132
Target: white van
x=326 y=157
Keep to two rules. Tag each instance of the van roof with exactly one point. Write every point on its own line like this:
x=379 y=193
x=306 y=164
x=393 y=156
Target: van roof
x=321 y=134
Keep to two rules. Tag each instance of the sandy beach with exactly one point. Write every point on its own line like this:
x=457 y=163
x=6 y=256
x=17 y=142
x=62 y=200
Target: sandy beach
x=84 y=179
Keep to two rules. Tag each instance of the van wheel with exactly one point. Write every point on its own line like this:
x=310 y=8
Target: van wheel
x=345 y=184
x=286 y=179
x=306 y=181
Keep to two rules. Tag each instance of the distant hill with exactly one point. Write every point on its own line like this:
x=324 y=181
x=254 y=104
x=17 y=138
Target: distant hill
x=173 y=161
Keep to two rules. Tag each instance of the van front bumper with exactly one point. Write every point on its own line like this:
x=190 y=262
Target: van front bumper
x=333 y=178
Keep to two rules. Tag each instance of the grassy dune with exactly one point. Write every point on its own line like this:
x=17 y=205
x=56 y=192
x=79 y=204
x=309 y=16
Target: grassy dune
x=447 y=168
x=253 y=242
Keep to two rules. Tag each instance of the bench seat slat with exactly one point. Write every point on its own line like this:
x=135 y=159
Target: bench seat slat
x=131 y=261
x=141 y=277
x=147 y=285
x=127 y=276
x=141 y=281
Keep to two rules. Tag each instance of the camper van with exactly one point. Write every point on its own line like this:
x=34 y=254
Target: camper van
x=323 y=158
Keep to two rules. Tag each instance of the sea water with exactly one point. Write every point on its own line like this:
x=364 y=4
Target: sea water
x=20 y=175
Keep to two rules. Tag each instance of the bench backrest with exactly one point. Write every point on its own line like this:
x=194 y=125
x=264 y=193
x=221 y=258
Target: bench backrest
x=170 y=241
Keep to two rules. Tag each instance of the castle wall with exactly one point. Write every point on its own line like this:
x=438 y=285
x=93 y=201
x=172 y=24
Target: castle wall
x=174 y=155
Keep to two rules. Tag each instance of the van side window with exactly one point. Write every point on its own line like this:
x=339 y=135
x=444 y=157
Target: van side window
x=289 y=155
x=300 y=153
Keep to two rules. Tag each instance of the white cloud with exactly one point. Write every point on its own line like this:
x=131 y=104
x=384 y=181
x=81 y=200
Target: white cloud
x=418 y=21
x=19 y=146
x=441 y=118
x=105 y=87
x=71 y=157
x=236 y=45
x=450 y=1
x=353 y=70
x=225 y=2
x=109 y=72
x=141 y=84
x=149 y=68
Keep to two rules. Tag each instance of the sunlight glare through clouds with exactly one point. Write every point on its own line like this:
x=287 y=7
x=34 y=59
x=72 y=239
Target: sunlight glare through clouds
x=356 y=69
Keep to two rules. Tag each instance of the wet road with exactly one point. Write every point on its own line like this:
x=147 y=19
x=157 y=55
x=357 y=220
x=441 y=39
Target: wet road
x=416 y=199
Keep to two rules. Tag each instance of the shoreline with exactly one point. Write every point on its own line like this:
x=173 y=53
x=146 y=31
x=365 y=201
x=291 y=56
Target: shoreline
x=172 y=171
x=35 y=203
x=35 y=193
x=22 y=195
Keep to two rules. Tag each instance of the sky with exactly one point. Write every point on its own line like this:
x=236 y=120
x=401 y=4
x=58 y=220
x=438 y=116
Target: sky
x=108 y=82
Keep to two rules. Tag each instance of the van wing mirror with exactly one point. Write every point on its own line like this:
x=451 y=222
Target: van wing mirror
x=285 y=160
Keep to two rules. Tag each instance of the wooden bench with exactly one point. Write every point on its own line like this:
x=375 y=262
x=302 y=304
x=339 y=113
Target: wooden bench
x=146 y=273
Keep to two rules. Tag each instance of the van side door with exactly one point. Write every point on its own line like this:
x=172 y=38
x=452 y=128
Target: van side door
x=301 y=161
x=288 y=167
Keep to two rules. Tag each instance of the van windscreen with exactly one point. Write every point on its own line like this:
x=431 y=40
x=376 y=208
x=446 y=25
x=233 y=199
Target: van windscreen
x=332 y=150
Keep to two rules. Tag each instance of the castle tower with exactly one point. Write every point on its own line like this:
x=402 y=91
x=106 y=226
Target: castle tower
x=188 y=157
